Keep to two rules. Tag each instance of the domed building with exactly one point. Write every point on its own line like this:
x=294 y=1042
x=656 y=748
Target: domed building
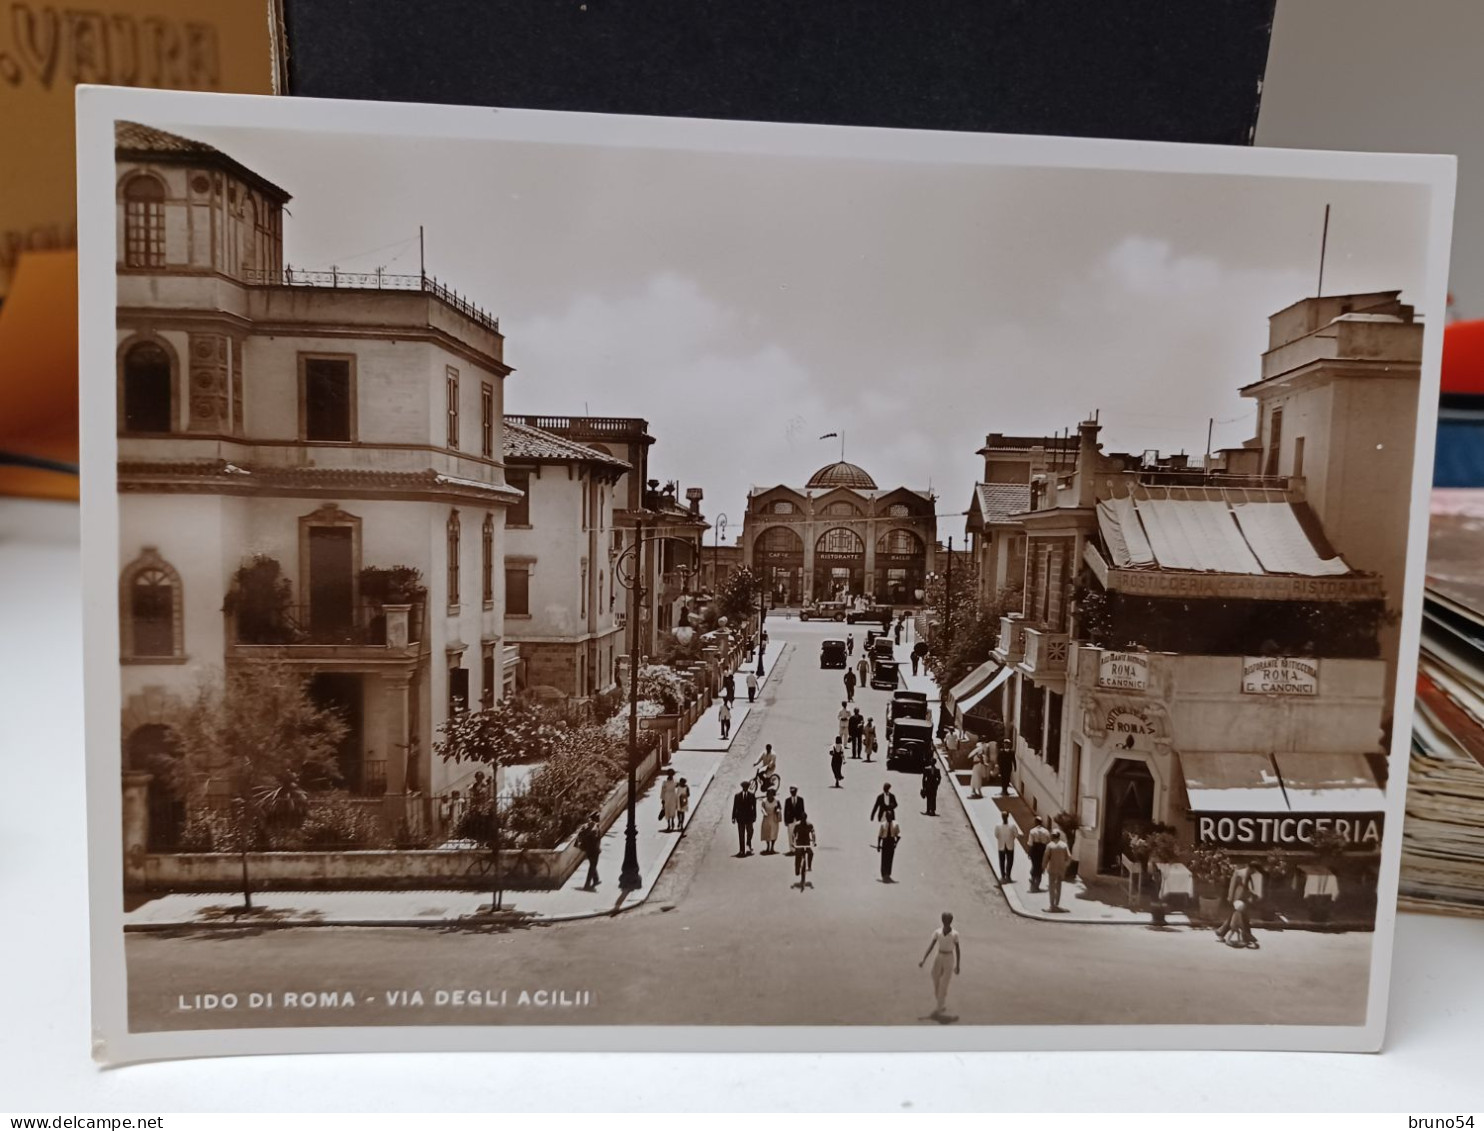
x=840 y=536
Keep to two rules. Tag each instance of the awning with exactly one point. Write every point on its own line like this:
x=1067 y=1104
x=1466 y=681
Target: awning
x=1330 y=783
x=1242 y=782
x=966 y=706
x=973 y=681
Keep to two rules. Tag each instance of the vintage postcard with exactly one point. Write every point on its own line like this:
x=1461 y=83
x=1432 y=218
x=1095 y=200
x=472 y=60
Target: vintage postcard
x=574 y=582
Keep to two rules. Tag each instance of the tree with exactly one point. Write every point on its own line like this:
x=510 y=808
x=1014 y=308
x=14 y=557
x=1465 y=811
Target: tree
x=964 y=628
x=738 y=597
x=256 y=736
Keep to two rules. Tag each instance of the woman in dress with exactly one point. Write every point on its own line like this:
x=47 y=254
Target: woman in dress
x=682 y=791
x=870 y=739
x=669 y=801
x=946 y=964
x=980 y=777
x=772 y=814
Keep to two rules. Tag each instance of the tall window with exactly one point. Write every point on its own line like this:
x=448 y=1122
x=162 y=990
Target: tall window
x=517 y=591
x=1053 y=730
x=840 y=541
x=453 y=558
x=582 y=597
x=1298 y=457
x=451 y=381
x=144 y=223
x=520 y=513
x=150 y=609
x=586 y=501
x=487 y=420
x=148 y=389
x=458 y=690
x=328 y=398
x=1275 y=441
x=487 y=677
x=487 y=568
x=898 y=542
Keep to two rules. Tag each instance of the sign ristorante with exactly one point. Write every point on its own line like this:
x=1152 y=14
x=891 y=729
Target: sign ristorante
x=1238 y=588
x=1258 y=831
x=1279 y=675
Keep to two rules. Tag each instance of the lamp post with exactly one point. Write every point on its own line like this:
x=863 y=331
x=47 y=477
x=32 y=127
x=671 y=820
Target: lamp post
x=721 y=528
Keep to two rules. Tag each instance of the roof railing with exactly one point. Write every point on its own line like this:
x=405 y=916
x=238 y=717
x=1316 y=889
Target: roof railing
x=336 y=279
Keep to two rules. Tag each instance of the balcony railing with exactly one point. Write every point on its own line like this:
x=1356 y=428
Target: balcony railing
x=1045 y=651
x=367 y=625
x=587 y=427
x=1011 y=645
x=335 y=279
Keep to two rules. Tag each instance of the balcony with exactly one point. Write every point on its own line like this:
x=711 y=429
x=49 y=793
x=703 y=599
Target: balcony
x=1045 y=652
x=368 y=630
x=1011 y=646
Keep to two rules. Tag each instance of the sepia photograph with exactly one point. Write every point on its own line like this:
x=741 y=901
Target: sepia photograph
x=564 y=581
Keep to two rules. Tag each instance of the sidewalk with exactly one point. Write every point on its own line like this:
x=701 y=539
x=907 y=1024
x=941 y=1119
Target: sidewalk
x=706 y=734
x=449 y=908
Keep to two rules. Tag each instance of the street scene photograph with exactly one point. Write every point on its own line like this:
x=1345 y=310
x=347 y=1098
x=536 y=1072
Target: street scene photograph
x=604 y=585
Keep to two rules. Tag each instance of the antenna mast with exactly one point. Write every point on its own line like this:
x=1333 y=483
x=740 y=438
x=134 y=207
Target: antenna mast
x=1323 y=248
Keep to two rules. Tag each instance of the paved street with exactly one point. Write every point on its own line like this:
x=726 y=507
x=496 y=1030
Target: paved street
x=728 y=940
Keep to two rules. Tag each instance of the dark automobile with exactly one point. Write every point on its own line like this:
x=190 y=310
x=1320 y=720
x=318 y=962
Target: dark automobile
x=876 y=614
x=832 y=654
x=911 y=746
x=882 y=649
x=884 y=674
x=906 y=705
x=823 y=610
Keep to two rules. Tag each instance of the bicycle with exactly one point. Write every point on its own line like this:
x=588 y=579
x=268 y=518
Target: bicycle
x=762 y=782
x=803 y=863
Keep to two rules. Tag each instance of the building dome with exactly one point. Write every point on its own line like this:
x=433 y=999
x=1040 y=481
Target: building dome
x=842 y=474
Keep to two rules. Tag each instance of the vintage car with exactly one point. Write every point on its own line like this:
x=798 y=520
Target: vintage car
x=832 y=654
x=881 y=649
x=874 y=614
x=823 y=610
x=906 y=705
x=911 y=746
x=884 y=674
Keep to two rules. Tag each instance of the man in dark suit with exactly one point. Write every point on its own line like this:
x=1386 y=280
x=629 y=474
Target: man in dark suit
x=932 y=777
x=793 y=813
x=886 y=803
x=856 y=727
x=744 y=815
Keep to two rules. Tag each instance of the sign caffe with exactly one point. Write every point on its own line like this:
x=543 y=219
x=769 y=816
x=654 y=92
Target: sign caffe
x=1279 y=675
x=1128 y=671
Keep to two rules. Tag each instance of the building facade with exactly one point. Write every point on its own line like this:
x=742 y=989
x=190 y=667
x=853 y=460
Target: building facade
x=332 y=439
x=839 y=536
x=560 y=605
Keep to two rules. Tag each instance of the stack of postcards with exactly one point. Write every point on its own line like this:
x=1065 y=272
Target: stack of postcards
x=1443 y=841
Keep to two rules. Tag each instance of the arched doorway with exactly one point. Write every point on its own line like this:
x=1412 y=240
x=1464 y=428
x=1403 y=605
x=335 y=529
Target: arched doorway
x=151 y=749
x=1128 y=791
x=778 y=558
x=901 y=565
x=839 y=564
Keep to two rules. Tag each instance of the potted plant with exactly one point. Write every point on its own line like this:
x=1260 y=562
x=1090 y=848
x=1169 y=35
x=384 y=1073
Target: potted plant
x=1210 y=867
x=260 y=601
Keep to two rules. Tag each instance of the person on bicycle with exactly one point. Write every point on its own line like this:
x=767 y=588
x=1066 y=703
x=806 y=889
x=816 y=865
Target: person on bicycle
x=804 y=842
x=767 y=767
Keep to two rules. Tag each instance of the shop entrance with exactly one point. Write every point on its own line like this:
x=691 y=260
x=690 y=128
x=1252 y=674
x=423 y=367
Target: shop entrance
x=1128 y=804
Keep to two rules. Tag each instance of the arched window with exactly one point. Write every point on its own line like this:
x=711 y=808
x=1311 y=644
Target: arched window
x=840 y=541
x=144 y=222
x=783 y=506
x=150 y=627
x=841 y=507
x=148 y=388
x=781 y=540
x=899 y=542
x=453 y=557
x=898 y=510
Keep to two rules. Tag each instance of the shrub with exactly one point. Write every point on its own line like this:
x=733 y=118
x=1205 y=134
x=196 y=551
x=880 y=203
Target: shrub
x=1210 y=864
x=393 y=585
x=608 y=703
x=583 y=770
x=334 y=823
x=664 y=686
x=260 y=599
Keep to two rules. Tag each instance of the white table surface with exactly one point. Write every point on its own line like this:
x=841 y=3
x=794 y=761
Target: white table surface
x=1431 y=1062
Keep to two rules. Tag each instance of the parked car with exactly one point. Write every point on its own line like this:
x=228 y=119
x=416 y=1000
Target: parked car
x=882 y=649
x=911 y=746
x=823 y=610
x=875 y=614
x=906 y=705
x=884 y=674
x=832 y=654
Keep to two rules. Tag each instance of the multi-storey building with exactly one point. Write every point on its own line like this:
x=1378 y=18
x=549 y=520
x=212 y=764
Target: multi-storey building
x=561 y=606
x=841 y=536
x=319 y=454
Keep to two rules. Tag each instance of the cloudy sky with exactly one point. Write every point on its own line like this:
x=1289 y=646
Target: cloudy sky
x=744 y=305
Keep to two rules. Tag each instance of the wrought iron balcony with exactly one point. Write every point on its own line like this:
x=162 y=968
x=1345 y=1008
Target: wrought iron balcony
x=1045 y=651
x=367 y=625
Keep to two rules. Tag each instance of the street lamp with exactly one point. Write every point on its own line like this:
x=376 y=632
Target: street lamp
x=721 y=528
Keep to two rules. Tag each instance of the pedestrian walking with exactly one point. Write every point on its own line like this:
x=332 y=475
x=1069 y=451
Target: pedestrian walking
x=1005 y=757
x=764 y=638
x=919 y=650
x=772 y=814
x=856 y=728
x=1243 y=891
x=682 y=793
x=1055 y=862
x=793 y=813
x=724 y=713
x=886 y=803
x=870 y=739
x=863 y=673
x=932 y=778
x=888 y=834
x=837 y=762
x=729 y=687
x=1035 y=848
x=948 y=962
x=805 y=840
x=979 y=774
x=897 y=633
x=751 y=687
x=590 y=844
x=850 y=644
x=669 y=801
x=744 y=816
x=1004 y=839
x=844 y=719
x=849 y=685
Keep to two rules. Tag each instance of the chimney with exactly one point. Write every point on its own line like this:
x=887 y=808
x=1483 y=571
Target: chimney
x=1087 y=461
x=695 y=495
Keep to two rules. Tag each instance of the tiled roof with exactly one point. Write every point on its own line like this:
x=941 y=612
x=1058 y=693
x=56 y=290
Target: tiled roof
x=842 y=474
x=524 y=442
x=146 y=143
x=998 y=501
